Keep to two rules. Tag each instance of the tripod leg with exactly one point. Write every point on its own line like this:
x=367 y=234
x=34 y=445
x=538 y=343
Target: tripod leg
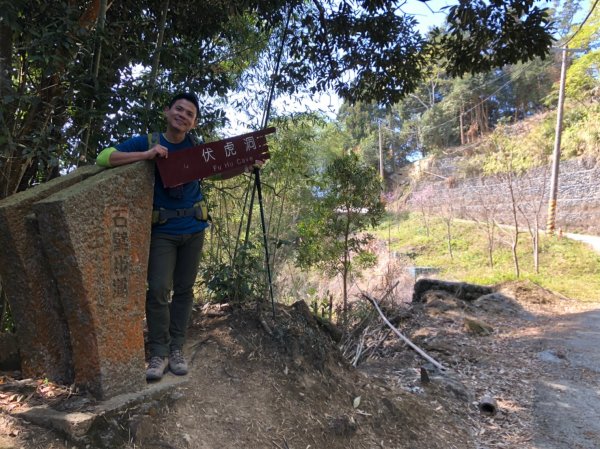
x=250 y=208
x=264 y=229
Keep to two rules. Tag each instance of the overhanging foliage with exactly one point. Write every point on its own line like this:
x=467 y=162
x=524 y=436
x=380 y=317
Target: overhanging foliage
x=76 y=75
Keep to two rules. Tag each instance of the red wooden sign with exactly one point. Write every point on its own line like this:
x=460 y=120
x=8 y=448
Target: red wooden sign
x=208 y=159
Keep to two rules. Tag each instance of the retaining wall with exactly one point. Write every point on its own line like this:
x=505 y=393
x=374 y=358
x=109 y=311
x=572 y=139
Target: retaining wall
x=440 y=191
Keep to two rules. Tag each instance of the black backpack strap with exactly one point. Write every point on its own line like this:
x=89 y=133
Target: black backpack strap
x=195 y=139
x=199 y=211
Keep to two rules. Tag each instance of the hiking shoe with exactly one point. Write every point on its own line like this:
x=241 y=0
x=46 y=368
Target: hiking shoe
x=177 y=363
x=157 y=367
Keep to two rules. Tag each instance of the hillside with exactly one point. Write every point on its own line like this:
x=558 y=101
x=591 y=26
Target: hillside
x=511 y=166
x=566 y=266
x=252 y=389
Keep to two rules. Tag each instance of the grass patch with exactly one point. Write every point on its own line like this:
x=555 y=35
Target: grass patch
x=566 y=266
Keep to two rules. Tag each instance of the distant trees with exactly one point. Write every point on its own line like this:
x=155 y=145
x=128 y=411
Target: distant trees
x=444 y=110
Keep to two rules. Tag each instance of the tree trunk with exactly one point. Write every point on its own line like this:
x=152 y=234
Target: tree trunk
x=515 y=242
x=536 y=245
x=490 y=233
x=345 y=268
x=85 y=151
x=425 y=220
x=3 y=307
x=19 y=171
x=461 y=125
x=156 y=58
x=7 y=150
x=345 y=294
x=6 y=41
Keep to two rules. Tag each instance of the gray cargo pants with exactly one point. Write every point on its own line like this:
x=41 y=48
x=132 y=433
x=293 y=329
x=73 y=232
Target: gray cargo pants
x=172 y=267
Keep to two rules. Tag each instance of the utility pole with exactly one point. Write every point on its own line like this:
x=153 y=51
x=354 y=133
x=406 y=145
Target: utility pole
x=381 y=161
x=551 y=220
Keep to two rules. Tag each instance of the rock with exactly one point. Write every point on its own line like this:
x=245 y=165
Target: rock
x=141 y=429
x=342 y=426
x=440 y=300
x=461 y=290
x=28 y=283
x=456 y=388
x=303 y=309
x=440 y=345
x=96 y=234
x=500 y=304
x=450 y=385
x=550 y=356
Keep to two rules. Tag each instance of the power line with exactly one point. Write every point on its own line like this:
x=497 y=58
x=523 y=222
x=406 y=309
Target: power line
x=581 y=24
x=425 y=108
x=431 y=128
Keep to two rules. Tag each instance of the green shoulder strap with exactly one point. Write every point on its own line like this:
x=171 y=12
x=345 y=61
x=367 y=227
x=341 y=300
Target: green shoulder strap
x=153 y=139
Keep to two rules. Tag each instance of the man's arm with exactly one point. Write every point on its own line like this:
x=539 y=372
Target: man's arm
x=111 y=157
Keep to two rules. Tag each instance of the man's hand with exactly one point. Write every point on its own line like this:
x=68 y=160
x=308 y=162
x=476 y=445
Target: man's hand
x=157 y=151
x=117 y=157
x=257 y=164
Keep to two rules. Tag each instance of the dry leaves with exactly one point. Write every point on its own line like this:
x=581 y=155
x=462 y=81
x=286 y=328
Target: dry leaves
x=16 y=394
x=502 y=365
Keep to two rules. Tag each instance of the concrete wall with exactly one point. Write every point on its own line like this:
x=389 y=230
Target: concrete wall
x=440 y=190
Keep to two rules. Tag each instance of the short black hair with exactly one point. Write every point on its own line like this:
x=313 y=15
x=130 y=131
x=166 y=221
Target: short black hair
x=186 y=96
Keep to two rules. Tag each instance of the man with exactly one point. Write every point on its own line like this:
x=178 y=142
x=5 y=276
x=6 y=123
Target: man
x=176 y=241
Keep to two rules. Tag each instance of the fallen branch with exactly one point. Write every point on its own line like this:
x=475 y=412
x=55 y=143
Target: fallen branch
x=359 y=349
x=402 y=337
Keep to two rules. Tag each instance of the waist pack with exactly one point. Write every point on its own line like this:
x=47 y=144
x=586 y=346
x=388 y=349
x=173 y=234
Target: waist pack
x=199 y=211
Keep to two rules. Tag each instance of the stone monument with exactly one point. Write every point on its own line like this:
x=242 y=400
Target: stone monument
x=74 y=263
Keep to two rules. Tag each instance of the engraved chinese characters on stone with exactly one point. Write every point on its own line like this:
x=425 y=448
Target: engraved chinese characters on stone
x=120 y=254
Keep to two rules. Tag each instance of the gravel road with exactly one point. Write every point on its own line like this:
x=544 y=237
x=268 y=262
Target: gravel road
x=567 y=393
x=592 y=240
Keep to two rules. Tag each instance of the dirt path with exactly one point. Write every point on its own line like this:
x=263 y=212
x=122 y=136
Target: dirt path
x=567 y=394
x=592 y=240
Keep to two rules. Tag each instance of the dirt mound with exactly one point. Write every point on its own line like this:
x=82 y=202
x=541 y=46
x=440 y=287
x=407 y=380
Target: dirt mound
x=256 y=382
x=529 y=292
